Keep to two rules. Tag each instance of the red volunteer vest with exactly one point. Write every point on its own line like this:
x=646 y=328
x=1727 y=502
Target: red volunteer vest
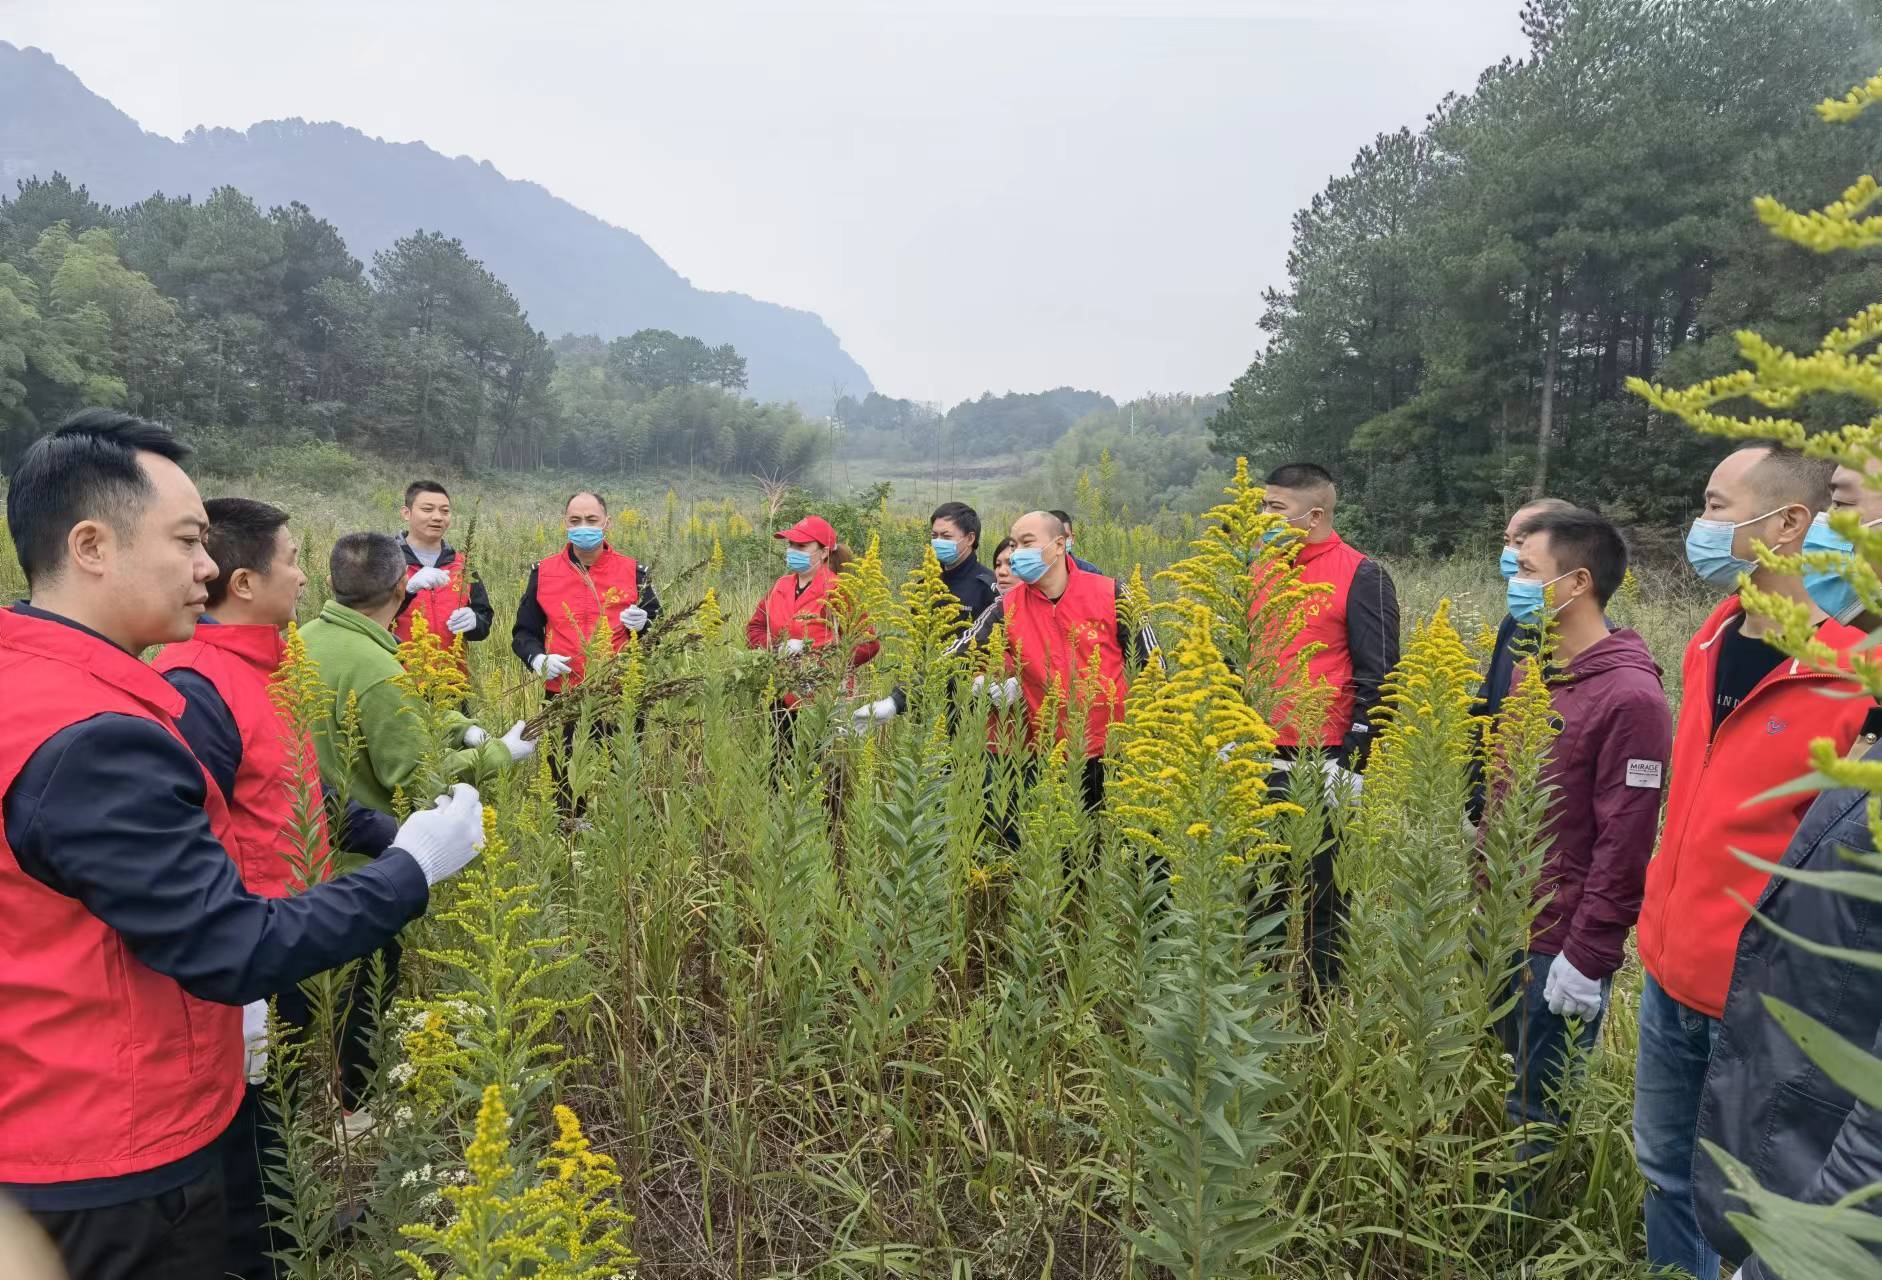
x=1052 y=644
x=436 y=603
x=107 y=1067
x=577 y=601
x=785 y=614
x=240 y=661
x=1334 y=563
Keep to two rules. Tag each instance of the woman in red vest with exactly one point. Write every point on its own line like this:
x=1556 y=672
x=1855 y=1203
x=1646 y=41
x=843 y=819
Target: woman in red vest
x=795 y=616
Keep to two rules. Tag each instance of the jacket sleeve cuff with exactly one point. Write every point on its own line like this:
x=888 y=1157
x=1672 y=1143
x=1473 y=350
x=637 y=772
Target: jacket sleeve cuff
x=407 y=879
x=1593 y=963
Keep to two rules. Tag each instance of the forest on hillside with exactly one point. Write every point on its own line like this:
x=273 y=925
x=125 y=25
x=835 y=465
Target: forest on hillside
x=1463 y=306
x=252 y=329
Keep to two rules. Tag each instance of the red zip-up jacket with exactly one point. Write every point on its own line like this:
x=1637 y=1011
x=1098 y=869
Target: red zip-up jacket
x=1690 y=920
x=790 y=613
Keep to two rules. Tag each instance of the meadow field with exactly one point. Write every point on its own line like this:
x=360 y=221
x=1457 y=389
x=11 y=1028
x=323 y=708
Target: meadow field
x=790 y=1009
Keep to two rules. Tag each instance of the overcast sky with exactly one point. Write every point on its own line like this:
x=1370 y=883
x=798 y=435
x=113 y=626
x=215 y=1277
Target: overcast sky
x=975 y=194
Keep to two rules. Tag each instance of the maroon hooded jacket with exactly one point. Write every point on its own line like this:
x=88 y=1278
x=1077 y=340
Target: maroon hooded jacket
x=1609 y=768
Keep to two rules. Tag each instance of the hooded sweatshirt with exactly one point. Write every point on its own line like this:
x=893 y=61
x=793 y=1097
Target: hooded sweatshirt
x=1608 y=765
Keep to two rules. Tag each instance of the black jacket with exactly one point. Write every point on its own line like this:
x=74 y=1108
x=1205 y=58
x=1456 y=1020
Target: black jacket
x=479 y=598
x=1765 y=1102
x=973 y=585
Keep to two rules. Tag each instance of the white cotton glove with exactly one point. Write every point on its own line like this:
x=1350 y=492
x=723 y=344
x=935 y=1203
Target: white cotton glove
x=1569 y=993
x=792 y=647
x=425 y=579
x=1001 y=693
x=475 y=736
x=255 y=1041
x=462 y=619
x=521 y=748
x=550 y=666
x=445 y=837
x=870 y=714
x=633 y=617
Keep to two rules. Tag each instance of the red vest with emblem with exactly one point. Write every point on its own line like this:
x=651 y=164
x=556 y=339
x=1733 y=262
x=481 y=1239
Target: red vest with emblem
x=578 y=601
x=1334 y=563
x=788 y=614
x=436 y=603
x=1689 y=919
x=1053 y=643
x=240 y=661
x=107 y=1067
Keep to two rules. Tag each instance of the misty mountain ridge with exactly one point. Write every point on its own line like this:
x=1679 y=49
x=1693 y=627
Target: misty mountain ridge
x=573 y=272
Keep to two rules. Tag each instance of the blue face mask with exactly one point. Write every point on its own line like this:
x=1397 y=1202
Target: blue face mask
x=1280 y=533
x=1827 y=588
x=1028 y=564
x=797 y=561
x=946 y=550
x=587 y=537
x=1709 y=549
x=1525 y=599
x=1508 y=563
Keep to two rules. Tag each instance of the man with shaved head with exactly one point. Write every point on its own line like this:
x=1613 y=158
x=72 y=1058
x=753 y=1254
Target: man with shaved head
x=1748 y=714
x=1351 y=637
x=1060 y=621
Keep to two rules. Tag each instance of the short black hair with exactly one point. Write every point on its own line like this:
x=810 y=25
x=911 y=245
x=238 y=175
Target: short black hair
x=588 y=493
x=86 y=470
x=1063 y=517
x=1580 y=539
x=366 y=568
x=417 y=487
x=1786 y=475
x=961 y=516
x=242 y=535
x=1308 y=477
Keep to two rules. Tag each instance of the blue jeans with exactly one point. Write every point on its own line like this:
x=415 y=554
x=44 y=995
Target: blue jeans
x=1675 y=1046
x=1538 y=1044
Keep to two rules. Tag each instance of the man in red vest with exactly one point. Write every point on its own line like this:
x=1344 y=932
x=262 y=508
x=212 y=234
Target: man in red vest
x=130 y=944
x=1057 y=621
x=439 y=584
x=1747 y=716
x=236 y=732
x=1356 y=627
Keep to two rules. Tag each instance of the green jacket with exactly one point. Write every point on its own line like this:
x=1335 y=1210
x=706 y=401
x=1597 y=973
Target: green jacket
x=358 y=657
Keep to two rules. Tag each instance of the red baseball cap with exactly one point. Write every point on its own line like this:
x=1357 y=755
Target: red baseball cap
x=810 y=529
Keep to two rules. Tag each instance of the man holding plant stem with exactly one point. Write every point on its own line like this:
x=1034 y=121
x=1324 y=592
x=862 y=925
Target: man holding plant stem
x=1605 y=770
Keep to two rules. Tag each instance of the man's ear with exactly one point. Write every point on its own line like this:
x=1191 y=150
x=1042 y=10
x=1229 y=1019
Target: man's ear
x=88 y=544
x=242 y=583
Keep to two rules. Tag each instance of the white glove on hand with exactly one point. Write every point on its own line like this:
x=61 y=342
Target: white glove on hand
x=1569 y=993
x=550 y=666
x=425 y=579
x=521 y=748
x=633 y=617
x=475 y=736
x=445 y=837
x=462 y=619
x=870 y=714
x=792 y=647
x=1001 y=693
x=255 y=1041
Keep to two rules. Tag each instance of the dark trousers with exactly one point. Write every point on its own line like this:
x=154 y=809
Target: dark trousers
x=1539 y=1044
x=250 y=1141
x=1324 y=930
x=1002 y=820
x=174 y=1235
x=358 y=1018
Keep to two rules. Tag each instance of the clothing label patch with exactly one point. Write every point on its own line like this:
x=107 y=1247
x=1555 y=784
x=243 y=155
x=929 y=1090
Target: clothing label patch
x=1644 y=773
